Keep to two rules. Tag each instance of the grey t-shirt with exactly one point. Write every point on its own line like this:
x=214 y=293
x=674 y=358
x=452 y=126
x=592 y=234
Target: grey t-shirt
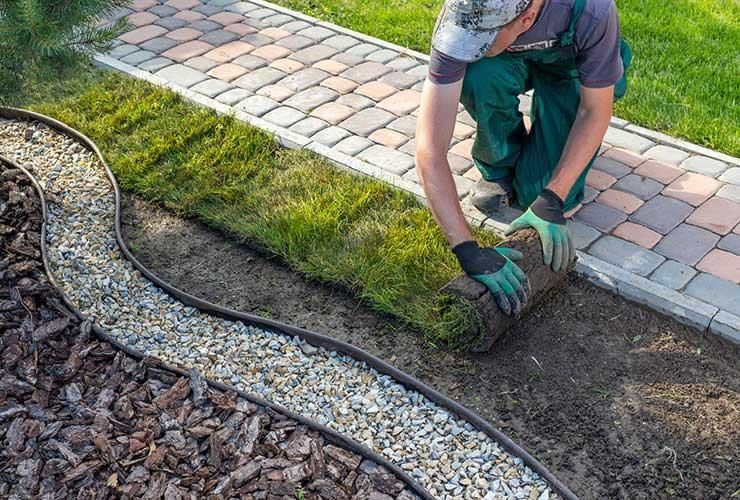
x=596 y=40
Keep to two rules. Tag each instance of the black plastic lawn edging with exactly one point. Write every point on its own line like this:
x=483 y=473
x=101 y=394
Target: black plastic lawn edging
x=313 y=338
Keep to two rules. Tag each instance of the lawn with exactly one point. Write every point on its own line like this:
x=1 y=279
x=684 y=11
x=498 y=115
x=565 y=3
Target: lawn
x=376 y=241
x=685 y=77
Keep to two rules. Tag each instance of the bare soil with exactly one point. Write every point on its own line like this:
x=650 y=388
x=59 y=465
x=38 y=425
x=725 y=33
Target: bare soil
x=617 y=401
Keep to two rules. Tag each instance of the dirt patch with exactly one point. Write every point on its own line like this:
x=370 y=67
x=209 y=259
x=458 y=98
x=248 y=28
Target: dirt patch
x=615 y=400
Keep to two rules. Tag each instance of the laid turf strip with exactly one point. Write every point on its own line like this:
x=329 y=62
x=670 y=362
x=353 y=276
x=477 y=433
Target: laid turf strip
x=375 y=240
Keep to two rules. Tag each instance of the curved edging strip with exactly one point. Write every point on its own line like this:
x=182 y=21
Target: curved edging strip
x=314 y=338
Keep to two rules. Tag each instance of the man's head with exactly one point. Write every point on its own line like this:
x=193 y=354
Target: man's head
x=471 y=29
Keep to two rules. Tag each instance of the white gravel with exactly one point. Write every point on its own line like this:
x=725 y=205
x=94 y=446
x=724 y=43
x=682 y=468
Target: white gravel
x=445 y=454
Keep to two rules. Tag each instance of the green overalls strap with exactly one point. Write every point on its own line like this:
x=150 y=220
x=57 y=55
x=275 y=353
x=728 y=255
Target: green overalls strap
x=490 y=94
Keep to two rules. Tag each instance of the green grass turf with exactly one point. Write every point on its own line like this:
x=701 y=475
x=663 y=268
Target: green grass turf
x=685 y=76
x=375 y=240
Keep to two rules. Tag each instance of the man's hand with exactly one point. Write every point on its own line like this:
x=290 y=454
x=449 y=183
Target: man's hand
x=545 y=215
x=494 y=267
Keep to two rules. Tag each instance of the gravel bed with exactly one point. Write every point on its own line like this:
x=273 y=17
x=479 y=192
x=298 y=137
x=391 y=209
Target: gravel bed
x=445 y=454
x=79 y=419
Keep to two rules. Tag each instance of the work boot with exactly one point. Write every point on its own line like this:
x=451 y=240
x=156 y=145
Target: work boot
x=492 y=196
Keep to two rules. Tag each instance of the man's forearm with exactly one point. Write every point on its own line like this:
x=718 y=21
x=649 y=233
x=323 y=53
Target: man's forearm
x=583 y=141
x=441 y=194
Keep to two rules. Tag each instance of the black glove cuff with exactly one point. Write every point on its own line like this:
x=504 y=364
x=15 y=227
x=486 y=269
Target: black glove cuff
x=466 y=250
x=549 y=207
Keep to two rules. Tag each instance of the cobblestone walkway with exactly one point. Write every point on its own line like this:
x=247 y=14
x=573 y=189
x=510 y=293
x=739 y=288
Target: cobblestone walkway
x=661 y=219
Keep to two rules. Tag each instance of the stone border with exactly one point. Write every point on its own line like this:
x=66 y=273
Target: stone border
x=687 y=310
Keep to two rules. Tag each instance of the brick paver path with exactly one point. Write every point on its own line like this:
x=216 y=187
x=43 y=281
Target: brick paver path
x=653 y=207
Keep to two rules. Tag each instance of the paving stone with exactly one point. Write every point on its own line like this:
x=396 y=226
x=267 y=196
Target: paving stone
x=255 y=23
x=304 y=79
x=317 y=33
x=240 y=29
x=413 y=176
x=227 y=72
x=208 y=10
x=666 y=154
x=722 y=264
x=362 y=49
x=403 y=63
x=458 y=164
x=309 y=126
x=399 y=79
x=141 y=35
x=163 y=11
x=462 y=185
x=582 y=234
x=330 y=136
x=138 y=57
x=627 y=140
x=121 y=12
x=341 y=42
x=687 y=244
x=278 y=19
x=211 y=87
x=171 y=23
x=311 y=98
x=405 y=124
x=599 y=180
x=140 y=19
x=382 y=56
x=731 y=243
x=629 y=158
x=339 y=84
x=271 y=52
x=295 y=42
x=589 y=194
x=250 y=62
x=187 y=50
x=314 y=54
x=573 y=211
x=230 y=51
x=233 y=96
x=376 y=91
x=641 y=187
x=730 y=192
x=462 y=131
x=705 y=166
x=692 y=188
x=184 y=34
x=464 y=117
x=156 y=64
x=284 y=116
x=662 y=214
x=624 y=202
x=275 y=33
x=348 y=59
x=262 y=13
x=611 y=167
x=221 y=3
x=331 y=66
x=123 y=50
x=224 y=18
x=295 y=26
x=353 y=145
x=257 y=105
x=257 y=40
x=333 y=112
x=219 y=37
x=356 y=101
x=626 y=255
x=637 y=234
x=673 y=274
x=182 y=4
x=731 y=175
x=275 y=92
x=142 y=5
x=259 y=78
x=716 y=291
x=410 y=148
x=472 y=173
x=727 y=326
x=241 y=7
x=205 y=26
x=182 y=75
x=665 y=174
x=366 y=72
x=388 y=159
x=401 y=103
x=719 y=215
x=189 y=15
x=201 y=63
x=287 y=66
x=463 y=148
x=600 y=216
x=158 y=45
x=419 y=71
x=389 y=138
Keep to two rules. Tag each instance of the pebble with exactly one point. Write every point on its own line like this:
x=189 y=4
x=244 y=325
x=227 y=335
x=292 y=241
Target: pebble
x=445 y=454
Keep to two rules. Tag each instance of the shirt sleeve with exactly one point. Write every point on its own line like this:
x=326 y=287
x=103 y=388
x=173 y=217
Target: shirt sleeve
x=445 y=69
x=599 y=62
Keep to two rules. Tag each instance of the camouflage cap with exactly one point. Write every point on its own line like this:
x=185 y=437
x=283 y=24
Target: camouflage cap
x=466 y=29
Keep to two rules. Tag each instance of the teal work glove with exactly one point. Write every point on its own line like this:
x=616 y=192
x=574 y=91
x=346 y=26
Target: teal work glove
x=494 y=267
x=545 y=216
